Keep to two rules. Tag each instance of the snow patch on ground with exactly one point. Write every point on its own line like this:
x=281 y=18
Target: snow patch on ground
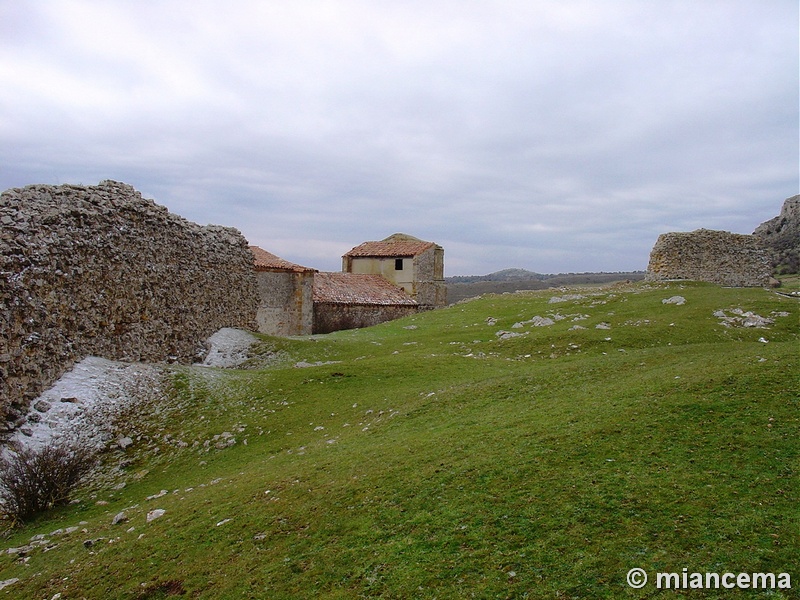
x=81 y=406
x=229 y=348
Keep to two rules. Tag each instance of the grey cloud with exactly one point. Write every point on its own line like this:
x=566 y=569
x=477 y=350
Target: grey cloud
x=555 y=136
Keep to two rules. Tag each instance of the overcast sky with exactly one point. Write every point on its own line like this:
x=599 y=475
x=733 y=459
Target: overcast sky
x=551 y=135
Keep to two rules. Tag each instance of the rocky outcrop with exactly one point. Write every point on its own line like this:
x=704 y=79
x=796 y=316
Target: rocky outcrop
x=715 y=256
x=781 y=237
x=99 y=270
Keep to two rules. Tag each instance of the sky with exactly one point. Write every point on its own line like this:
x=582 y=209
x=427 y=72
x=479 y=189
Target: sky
x=550 y=135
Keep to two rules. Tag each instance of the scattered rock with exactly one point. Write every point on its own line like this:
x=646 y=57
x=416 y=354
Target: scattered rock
x=7 y=582
x=506 y=335
x=741 y=318
x=124 y=442
x=42 y=406
x=119 y=518
x=538 y=321
x=155 y=514
x=304 y=365
x=565 y=298
x=677 y=300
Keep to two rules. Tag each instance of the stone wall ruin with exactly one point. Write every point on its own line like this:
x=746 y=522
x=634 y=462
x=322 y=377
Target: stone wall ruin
x=720 y=257
x=98 y=270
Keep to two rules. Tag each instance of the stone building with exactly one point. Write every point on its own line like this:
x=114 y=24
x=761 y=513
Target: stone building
x=413 y=264
x=353 y=300
x=380 y=281
x=285 y=292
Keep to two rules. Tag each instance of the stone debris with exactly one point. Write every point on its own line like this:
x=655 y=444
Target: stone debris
x=507 y=335
x=155 y=514
x=741 y=318
x=677 y=300
x=7 y=582
x=538 y=321
x=566 y=298
x=305 y=365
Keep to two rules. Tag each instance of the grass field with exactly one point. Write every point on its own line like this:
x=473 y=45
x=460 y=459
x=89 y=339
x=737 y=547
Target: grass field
x=431 y=457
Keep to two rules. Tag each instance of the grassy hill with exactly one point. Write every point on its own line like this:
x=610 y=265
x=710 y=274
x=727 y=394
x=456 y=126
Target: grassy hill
x=438 y=457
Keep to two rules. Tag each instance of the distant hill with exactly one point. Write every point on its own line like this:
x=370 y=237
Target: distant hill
x=504 y=275
x=512 y=280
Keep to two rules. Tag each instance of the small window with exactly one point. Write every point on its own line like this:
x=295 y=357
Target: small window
x=398 y=264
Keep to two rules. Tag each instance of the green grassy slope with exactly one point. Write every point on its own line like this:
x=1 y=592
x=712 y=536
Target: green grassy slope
x=429 y=458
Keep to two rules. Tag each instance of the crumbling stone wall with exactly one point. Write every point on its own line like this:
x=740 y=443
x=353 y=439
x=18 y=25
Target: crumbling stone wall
x=101 y=271
x=720 y=257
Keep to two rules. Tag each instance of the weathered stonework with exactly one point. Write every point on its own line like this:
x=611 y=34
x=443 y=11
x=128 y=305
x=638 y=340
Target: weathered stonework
x=98 y=270
x=413 y=264
x=355 y=300
x=781 y=237
x=329 y=317
x=285 y=294
x=720 y=257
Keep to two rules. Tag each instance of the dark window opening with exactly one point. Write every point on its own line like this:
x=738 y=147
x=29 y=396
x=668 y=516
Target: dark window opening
x=398 y=264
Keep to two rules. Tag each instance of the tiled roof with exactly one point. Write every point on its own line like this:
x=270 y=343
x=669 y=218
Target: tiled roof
x=266 y=261
x=356 y=288
x=395 y=245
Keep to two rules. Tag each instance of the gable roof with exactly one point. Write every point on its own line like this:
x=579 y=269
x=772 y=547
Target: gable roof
x=266 y=261
x=356 y=288
x=398 y=244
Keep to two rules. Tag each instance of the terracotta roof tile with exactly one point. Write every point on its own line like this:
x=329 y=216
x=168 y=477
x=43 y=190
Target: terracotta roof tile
x=395 y=245
x=266 y=261
x=356 y=288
